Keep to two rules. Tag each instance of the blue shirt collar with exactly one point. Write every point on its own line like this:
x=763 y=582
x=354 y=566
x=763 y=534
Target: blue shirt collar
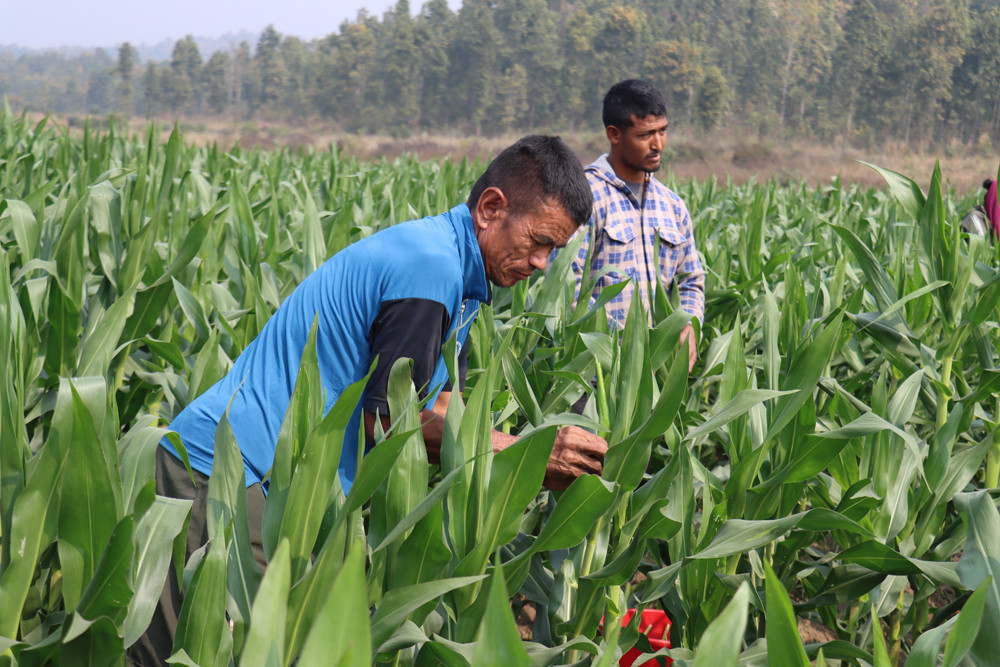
x=473 y=270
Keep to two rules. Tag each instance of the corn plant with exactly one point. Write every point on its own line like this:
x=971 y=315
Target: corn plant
x=829 y=462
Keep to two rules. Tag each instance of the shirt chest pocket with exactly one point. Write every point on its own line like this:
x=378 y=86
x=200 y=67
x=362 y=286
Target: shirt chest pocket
x=618 y=254
x=625 y=234
x=670 y=237
x=618 y=234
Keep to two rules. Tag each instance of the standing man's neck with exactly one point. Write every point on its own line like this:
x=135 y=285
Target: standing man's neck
x=624 y=172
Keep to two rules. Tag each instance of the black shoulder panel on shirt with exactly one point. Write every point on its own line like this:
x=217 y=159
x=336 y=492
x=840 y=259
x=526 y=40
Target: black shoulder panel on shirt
x=412 y=328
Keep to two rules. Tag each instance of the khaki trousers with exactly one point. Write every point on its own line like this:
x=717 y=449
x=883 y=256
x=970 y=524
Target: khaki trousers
x=172 y=480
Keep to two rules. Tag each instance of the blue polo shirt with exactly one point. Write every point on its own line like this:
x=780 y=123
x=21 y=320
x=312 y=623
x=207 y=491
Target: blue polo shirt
x=434 y=262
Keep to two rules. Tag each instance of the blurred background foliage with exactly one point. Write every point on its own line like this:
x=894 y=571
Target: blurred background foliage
x=867 y=72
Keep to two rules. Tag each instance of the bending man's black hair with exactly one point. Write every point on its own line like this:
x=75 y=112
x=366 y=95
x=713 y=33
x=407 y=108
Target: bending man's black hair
x=535 y=169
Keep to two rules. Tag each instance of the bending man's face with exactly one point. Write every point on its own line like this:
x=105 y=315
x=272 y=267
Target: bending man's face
x=516 y=246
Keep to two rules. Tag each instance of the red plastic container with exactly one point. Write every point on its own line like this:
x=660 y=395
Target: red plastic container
x=656 y=626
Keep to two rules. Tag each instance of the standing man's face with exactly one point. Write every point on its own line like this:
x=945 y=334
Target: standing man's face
x=514 y=246
x=636 y=150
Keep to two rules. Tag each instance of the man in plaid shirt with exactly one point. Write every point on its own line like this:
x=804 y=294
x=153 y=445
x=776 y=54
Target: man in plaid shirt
x=641 y=230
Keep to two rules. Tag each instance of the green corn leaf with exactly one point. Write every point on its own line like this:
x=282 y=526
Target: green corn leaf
x=772 y=357
x=154 y=534
x=305 y=409
x=515 y=480
x=137 y=452
x=148 y=306
x=192 y=309
x=104 y=203
x=398 y=603
x=94 y=643
x=498 y=641
x=879 y=284
x=341 y=635
x=966 y=627
x=307 y=597
x=193 y=239
x=315 y=478
x=33 y=524
x=720 y=643
x=202 y=629
x=881 y=652
x=927 y=648
x=978 y=564
x=737 y=407
x=599 y=345
x=804 y=374
x=314 y=250
x=91 y=504
x=108 y=594
x=579 y=507
x=813 y=455
x=784 y=647
x=881 y=558
x=739 y=535
x=430 y=501
x=100 y=346
x=633 y=388
x=626 y=462
x=265 y=644
x=139 y=245
x=904 y=401
x=405 y=482
x=519 y=385
x=226 y=506
x=18 y=217
x=904 y=189
x=375 y=468
x=427 y=555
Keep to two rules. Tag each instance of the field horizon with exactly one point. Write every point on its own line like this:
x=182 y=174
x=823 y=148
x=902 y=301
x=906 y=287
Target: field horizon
x=724 y=155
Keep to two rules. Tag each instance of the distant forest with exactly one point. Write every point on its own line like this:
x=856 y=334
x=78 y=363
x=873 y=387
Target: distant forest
x=924 y=72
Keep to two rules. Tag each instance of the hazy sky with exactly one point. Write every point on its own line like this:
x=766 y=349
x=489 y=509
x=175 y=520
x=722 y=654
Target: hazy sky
x=52 y=23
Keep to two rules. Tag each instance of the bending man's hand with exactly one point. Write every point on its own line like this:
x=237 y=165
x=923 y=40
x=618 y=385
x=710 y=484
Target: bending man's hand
x=576 y=452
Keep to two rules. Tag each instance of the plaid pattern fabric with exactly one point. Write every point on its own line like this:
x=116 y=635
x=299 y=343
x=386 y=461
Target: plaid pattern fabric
x=626 y=242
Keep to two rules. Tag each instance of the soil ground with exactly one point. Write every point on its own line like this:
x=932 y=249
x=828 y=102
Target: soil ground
x=724 y=156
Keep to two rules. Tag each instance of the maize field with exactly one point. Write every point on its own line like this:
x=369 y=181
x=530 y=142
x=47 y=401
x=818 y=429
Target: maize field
x=832 y=461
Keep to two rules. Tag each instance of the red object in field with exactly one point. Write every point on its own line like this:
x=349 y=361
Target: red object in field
x=654 y=624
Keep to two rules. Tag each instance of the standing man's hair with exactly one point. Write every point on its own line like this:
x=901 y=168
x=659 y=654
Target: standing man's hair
x=535 y=169
x=632 y=97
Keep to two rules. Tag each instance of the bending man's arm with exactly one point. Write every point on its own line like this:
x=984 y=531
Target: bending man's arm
x=575 y=452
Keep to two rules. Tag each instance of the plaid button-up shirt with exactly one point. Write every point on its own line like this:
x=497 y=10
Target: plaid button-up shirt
x=626 y=240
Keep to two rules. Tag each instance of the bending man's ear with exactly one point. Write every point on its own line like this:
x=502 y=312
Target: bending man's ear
x=491 y=207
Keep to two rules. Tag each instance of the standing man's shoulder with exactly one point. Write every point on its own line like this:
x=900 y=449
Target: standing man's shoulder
x=605 y=185
x=601 y=176
x=668 y=200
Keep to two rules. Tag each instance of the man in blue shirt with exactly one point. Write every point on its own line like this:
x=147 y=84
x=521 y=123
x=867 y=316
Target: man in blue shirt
x=399 y=293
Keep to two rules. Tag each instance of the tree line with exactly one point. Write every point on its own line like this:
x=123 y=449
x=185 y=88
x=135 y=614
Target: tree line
x=924 y=72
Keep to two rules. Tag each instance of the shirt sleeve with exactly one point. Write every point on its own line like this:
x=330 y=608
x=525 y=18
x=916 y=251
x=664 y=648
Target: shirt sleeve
x=412 y=328
x=691 y=284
